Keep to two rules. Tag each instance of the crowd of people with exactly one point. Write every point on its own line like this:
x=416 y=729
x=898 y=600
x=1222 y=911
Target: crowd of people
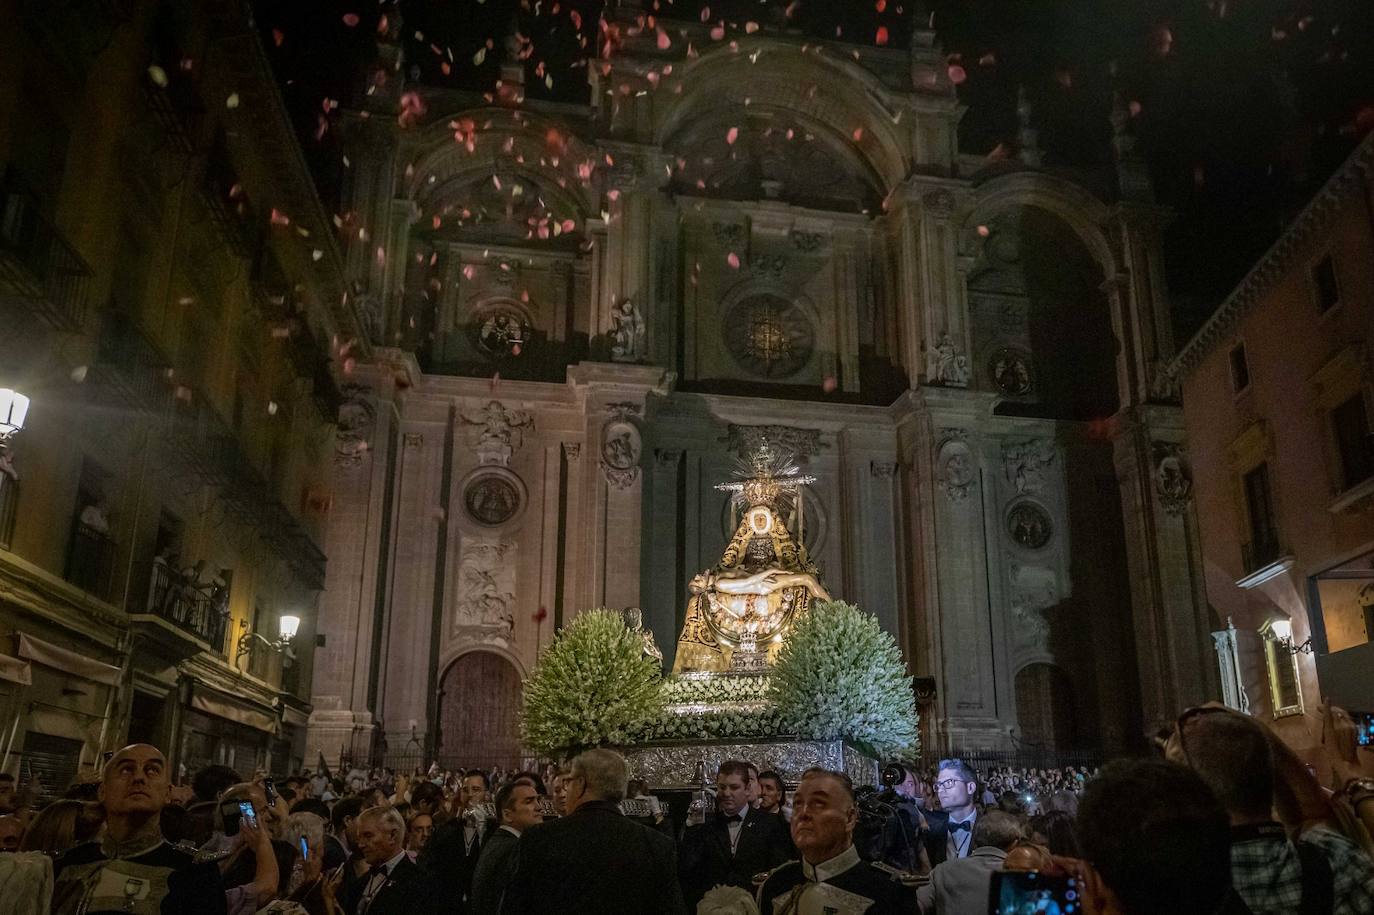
x=1227 y=820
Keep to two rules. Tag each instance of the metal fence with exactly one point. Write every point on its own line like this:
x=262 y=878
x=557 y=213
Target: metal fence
x=1021 y=758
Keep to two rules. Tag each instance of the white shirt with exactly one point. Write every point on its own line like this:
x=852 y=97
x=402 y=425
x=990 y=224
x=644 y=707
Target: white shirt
x=961 y=843
x=734 y=826
x=375 y=882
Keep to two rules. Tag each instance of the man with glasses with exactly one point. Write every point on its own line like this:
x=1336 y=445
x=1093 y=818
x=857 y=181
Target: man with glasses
x=951 y=835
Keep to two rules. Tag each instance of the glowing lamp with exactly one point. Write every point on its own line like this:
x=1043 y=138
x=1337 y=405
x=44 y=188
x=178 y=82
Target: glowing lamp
x=14 y=407
x=289 y=626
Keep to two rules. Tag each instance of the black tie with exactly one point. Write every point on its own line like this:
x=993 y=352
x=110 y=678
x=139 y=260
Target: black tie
x=735 y=818
x=964 y=826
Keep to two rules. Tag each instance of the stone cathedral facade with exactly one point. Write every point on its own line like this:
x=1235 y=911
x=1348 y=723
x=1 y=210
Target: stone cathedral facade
x=584 y=316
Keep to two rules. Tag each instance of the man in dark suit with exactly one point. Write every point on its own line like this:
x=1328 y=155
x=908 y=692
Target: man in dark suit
x=594 y=860
x=962 y=884
x=734 y=846
x=951 y=835
x=451 y=853
x=517 y=806
x=393 y=884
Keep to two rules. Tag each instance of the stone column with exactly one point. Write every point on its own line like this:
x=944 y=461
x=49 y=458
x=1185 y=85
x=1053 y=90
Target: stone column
x=1168 y=601
x=390 y=270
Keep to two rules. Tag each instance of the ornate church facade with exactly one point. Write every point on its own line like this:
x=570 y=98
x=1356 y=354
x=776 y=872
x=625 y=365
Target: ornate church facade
x=584 y=316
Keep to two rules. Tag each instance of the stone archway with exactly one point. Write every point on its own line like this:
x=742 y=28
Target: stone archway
x=1044 y=707
x=479 y=712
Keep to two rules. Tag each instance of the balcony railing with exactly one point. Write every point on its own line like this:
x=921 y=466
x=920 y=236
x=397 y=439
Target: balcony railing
x=130 y=365
x=194 y=607
x=90 y=561
x=37 y=265
x=1261 y=552
x=311 y=363
x=177 y=110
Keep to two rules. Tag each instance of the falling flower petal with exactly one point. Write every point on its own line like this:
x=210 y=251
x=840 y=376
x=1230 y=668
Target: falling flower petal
x=158 y=76
x=733 y=260
x=350 y=19
x=732 y=135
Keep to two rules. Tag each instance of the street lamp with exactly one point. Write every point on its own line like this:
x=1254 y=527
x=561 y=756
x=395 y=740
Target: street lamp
x=1282 y=630
x=14 y=407
x=288 y=625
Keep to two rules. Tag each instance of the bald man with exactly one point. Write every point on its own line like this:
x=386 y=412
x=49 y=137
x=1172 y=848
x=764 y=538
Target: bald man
x=132 y=868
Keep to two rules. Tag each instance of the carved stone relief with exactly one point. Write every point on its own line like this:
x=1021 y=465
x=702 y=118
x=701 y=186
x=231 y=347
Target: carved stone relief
x=621 y=446
x=728 y=234
x=628 y=333
x=1025 y=464
x=801 y=444
x=486 y=587
x=1032 y=590
x=1173 y=477
x=946 y=365
x=1009 y=369
x=1029 y=525
x=496 y=432
x=768 y=336
x=357 y=421
x=771 y=266
x=807 y=242
x=956 y=471
x=883 y=470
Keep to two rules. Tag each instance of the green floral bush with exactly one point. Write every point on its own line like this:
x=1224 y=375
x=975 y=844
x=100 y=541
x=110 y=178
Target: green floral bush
x=839 y=675
x=593 y=686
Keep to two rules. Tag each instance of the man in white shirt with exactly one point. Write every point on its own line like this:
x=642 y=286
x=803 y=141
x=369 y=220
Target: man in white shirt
x=956 y=784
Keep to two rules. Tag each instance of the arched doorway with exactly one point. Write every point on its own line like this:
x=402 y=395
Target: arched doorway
x=1044 y=707
x=479 y=709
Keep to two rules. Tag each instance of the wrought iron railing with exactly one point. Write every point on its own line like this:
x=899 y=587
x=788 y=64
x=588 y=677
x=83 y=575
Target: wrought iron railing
x=130 y=366
x=1261 y=552
x=37 y=265
x=193 y=607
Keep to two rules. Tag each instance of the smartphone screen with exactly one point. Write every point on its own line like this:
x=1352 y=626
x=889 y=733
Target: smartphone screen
x=1364 y=722
x=305 y=850
x=1032 y=893
x=249 y=815
x=269 y=788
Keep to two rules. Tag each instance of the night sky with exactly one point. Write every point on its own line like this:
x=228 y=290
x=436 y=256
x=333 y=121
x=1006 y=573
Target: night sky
x=1243 y=107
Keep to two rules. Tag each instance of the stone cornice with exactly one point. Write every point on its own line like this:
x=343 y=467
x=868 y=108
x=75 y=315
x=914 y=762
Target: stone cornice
x=1276 y=261
x=35 y=591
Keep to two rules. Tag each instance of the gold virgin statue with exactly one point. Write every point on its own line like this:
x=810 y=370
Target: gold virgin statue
x=742 y=611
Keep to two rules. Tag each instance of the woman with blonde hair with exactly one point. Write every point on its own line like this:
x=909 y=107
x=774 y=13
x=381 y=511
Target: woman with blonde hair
x=61 y=826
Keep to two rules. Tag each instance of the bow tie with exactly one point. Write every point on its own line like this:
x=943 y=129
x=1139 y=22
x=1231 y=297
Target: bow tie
x=378 y=870
x=735 y=818
x=961 y=827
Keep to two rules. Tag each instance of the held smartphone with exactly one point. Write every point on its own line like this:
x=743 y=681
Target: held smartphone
x=1364 y=723
x=269 y=788
x=249 y=815
x=1033 y=893
x=305 y=850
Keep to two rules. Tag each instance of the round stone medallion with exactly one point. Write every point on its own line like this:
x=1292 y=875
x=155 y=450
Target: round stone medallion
x=768 y=336
x=491 y=499
x=1029 y=525
x=1010 y=371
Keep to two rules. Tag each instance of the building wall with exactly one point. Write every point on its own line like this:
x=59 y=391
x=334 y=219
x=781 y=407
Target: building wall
x=968 y=358
x=1302 y=362
x=178 y=360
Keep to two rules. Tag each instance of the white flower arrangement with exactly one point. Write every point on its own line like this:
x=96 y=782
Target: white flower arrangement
x=593 y=686
x=839 y=675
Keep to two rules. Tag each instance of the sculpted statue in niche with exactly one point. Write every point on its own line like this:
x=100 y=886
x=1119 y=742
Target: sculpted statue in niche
x=946 y=365
x=486 y=586
x=628 y=333
x=1025 y=464
x=501 y=331
x=357 y=419
x=1033 y=591
x=1029 y=525
x=491 y=499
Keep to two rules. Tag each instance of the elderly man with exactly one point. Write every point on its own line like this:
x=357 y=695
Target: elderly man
x=962 y=884
x=393 y=885
x=132 y=868
x=830 y=877
x=517 y=807
x=594 y=860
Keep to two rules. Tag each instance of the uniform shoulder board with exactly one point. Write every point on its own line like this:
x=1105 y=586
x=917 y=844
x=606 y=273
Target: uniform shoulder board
x=206 y=857
x=762 y=878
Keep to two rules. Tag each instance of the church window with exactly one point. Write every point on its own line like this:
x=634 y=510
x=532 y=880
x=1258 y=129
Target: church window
x=1263 y=547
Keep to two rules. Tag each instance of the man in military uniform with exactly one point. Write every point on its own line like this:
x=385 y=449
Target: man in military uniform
x=830 y=877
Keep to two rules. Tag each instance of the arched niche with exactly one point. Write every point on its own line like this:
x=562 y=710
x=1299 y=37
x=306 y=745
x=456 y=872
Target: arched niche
x=479 y=709
x=1044 y=334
